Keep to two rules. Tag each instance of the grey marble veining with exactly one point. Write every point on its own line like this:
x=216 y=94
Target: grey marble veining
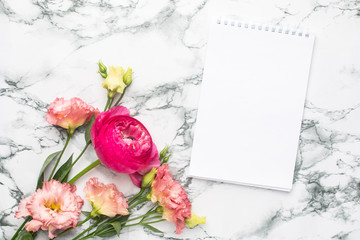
x=50 y=48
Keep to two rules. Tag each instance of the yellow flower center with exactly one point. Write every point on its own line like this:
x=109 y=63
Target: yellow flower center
x=53 y=206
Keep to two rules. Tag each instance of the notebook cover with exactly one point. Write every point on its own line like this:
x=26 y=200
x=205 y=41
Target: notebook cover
x=251 y=105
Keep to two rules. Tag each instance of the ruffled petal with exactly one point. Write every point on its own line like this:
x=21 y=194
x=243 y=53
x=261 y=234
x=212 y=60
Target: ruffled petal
x=33 y=225
x=22 y=210
x=123 y=144
x=136 y=178
x=70 y=114
x=105 y=199
x=172 y=197
x=54 y=206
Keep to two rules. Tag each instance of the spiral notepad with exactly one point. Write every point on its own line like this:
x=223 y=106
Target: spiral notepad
x=251 y=105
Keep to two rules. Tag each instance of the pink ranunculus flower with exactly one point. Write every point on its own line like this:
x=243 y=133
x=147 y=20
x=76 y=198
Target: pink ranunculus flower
x=105 y=199
x=70 y=114
x=123 y=144
x=54 y=206
x=172 y=197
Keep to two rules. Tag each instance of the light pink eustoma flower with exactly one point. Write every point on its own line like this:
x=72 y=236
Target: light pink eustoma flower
x=70 y=114
x=123 y=144
x=54 y=206
x=172 y=197
x=105 y=199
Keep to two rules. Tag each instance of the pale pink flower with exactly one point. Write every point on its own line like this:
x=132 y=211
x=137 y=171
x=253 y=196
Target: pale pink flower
x=105 y=199
x=70 y=114
x=172 y=197
x=54 y=206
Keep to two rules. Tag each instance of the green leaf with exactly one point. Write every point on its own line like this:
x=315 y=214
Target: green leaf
x=151 y=228
x=48 y=160
x=24 y=235
x=110 y=232
x=86 y=213
x=117 y=226
x=106 y=230
x=63 y=172
x=123 y=219
x=88 y=129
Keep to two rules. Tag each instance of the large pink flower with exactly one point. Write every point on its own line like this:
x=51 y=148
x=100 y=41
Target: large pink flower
x=70 y=114
x=172 y=197
x=105 y=199
x=54 y=206
x=123 y=144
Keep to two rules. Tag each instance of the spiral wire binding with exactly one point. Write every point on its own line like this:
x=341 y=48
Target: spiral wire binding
x=261 y=27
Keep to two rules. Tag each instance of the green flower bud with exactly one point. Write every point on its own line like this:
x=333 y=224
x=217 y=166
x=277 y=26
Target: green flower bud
x=148 y=178
x=148 y=196
x=159 y=209
x=128 y=77
x=102 y=67
x=166 y=159
x=103 y=75
x=163 y=152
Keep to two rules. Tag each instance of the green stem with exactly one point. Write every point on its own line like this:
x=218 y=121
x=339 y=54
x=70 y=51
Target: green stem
x=122 y=222
x=20 y=228
x=131 y=225
x=83 y=232
x=87 y=169
x=82 y=152
x=155 y=217
x=122 y=95
x=79 y=224
x=77 y=159
x=161 y=220
x=111 y=101
x=107 y=104
x=139 y=223
x=142 y=216
x=86 y=237
x=133 y=198
x=84 y=221
x=62 y=152
x=141 y=200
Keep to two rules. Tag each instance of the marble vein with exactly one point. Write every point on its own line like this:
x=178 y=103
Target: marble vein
x=50 y=49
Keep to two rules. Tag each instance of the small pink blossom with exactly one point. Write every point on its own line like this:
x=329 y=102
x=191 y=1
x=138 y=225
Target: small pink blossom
x=172 y=197
x=70 y=114
x=123 y=144
x=54 y=206
x=105 y=199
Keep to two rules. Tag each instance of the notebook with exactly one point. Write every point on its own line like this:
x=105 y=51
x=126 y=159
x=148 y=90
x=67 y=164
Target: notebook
x=251 y=104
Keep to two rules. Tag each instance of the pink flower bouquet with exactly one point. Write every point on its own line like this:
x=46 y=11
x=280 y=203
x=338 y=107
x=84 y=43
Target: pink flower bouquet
x=122 y=144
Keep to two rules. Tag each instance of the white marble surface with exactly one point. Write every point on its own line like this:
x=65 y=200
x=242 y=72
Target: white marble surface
x=49 y=48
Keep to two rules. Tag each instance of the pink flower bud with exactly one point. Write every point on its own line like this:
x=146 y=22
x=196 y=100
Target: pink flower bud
x=70 y=114
x=105 y=199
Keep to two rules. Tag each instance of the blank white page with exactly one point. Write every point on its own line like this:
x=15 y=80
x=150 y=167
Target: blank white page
x=251 y=105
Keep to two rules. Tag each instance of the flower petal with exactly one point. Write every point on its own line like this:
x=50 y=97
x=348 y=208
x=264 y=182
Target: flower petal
x=33 y=225
x=70 y=114
x=54 y=206
x=172 y=197
x=105 y=199
x=22 y=210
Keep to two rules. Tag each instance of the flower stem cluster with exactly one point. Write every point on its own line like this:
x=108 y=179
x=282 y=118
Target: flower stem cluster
x=55 y=205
